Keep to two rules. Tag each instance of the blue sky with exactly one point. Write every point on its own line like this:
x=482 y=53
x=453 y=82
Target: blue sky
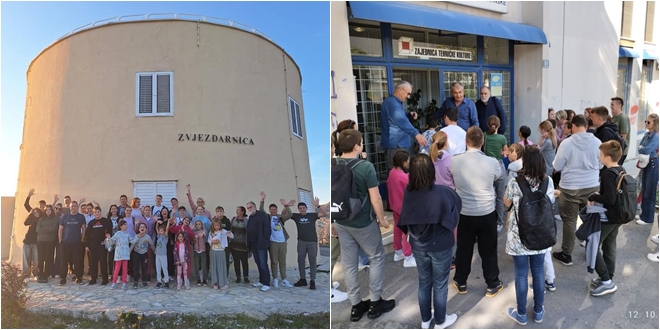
x=301 y=28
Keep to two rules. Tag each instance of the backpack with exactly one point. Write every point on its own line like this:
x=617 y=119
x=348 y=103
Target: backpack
x=536 y=223
x=619 y=138
x=345 y=202
x=626 y=198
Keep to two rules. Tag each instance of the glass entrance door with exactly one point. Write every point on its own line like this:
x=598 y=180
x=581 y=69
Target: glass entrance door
x=467 y=78
x=502 y=90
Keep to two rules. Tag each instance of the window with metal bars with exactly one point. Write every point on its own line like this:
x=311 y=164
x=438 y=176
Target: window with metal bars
x=154 y=94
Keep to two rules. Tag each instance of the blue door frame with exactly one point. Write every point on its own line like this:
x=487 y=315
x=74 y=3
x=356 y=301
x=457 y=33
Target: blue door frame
x=389 y=61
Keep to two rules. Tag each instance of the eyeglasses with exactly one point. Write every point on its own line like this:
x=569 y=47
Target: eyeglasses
x=58 y=208
x=647 y=122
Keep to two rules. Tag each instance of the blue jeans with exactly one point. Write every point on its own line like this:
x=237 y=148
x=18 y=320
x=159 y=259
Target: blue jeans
x=433 y=269
x=261 y=259
x=521 y=264
x=649 y=184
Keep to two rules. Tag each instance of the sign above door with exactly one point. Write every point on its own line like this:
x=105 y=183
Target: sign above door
x=407 y=48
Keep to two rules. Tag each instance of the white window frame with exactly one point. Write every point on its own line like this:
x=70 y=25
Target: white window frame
x=151 y=200
x=295 y=118
x=154 y=96
x=305 y=196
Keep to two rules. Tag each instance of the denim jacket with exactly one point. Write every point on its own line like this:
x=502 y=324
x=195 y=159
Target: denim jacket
x=649 y=144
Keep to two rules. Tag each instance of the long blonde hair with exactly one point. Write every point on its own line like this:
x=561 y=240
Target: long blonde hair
x=439 y=142
x=547 y=126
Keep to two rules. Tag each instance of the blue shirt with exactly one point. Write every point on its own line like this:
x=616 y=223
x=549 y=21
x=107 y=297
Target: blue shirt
x=395 y=128
x=649 y=144
x=467 y=112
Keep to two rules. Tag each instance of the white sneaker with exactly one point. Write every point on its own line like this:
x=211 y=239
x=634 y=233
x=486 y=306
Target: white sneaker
x=653 y=257
x=654 y=239
x=449 y=320
x=558 y=217
x=499 y=228
x=398 y=255
x=338 y=296
x=286 y=283
x=257 y=284
x=641 y=222
x=275 y=283
x=409 y=262
x=265 y=288
x=427 y=324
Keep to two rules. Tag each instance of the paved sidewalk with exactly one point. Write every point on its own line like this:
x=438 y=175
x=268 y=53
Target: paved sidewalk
x=634 y=306
x=97 y=300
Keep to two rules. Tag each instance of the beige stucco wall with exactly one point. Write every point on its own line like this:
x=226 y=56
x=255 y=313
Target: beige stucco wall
x=82 y=138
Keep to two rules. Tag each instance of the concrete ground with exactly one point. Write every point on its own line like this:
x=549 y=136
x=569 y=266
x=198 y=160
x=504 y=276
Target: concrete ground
x=633 y=306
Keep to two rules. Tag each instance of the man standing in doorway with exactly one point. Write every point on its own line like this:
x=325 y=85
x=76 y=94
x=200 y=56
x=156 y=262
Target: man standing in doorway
x=395 y=128
x=622 y=122
x=467 y=110
x=578 y=159
x=488 y=106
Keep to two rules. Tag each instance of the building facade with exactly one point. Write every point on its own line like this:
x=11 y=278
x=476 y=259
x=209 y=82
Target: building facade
x=533 y=56
x=145 y=107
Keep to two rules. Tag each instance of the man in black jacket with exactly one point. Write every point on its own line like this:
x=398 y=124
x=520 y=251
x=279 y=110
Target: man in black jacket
x=605 y=129
x=258 y=239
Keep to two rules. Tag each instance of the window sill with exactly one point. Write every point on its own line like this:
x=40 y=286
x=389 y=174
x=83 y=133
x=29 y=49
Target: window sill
x=155 y=115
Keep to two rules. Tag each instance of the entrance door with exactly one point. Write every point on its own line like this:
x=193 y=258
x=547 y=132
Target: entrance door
x=469 y=80
x=502 y=90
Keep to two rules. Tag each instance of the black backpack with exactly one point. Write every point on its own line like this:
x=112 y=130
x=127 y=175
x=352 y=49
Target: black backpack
x=536 y=223
x=625 y=207
x=345 y=202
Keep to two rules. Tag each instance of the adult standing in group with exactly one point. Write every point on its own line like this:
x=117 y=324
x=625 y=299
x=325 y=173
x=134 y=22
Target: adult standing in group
x=123 y=204
x=455 y=134
x=578 y=160
x=363 y=232
x=278 y=239
x=605 y=129
x=559 y=130
x=487 y=106
x=622 y=123
x=72 y=229
x=30 y=253
x=467 y=110
x=94 y=245
x=258 y=239
x=238 y=245
x=429 y=215
x=200 y=202
x=159 y=206
x=649 y=146
x=474 y=175
x=46 y=241
x=395 y=128
x=535 y=174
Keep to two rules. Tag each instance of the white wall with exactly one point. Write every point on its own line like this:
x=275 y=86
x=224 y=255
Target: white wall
x=343 y=106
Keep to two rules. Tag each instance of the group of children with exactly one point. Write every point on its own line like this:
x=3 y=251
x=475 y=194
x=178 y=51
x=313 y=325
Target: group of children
x=215 y=235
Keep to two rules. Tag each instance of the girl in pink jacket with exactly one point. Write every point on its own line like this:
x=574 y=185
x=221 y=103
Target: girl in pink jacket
x=397 y=181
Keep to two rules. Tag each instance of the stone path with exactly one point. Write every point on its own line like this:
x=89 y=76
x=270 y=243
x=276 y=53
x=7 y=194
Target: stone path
x=97 y=300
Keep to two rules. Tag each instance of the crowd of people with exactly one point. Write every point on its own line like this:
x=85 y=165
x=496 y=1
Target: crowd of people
x=141 y=241
x=458 y=191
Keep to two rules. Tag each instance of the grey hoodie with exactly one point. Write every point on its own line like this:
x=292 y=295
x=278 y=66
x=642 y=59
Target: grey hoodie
x=578 y=160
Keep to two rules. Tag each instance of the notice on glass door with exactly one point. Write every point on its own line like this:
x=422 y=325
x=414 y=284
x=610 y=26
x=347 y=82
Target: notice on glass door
x=496 y=84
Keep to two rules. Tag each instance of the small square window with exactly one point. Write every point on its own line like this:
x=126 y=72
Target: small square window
x=296 y=120
x=154 y=94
